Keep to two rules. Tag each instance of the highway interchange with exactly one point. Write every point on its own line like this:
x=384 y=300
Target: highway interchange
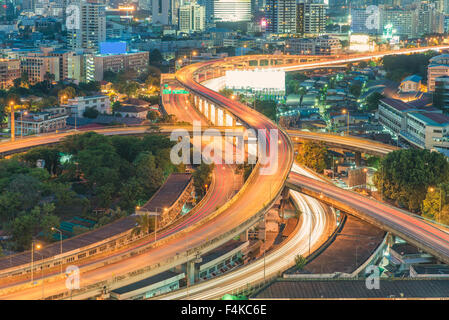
x=253 y=200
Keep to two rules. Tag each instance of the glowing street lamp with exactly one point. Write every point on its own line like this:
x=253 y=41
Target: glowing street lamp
x=60 y=241
x=344 y=111
x=33 y=247
x=12 y=120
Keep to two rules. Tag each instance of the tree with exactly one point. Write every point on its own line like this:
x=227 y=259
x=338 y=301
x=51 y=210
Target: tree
x=372 y=101
x=91 y=113
x=131 y=88
x=115 y=106
x=145 y=224
x=406 y=175
x=355 y=90
x=156 y=58
x=267 y=108
x=152 y=115
x=300 y=262
x=431 y=204
x=202 y=178
x=314 y=156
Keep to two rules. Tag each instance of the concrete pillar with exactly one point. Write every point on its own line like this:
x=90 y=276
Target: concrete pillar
x=213 y=110
x=358 y=159
x=192 y=271
x=220 y=117
x=244 y=236
x=216 y=122
x=199 y=107
x=209 y=111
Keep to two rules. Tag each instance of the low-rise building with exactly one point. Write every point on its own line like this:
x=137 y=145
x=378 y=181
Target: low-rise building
x=438 y=67
x=37 y=66
x=9 y=70
x=41 y=122
x=78 y=105
x=424 y=127
x=136 y=61
x=427 y=130
x=132 y=112
x=411 y=84
x=323 y=45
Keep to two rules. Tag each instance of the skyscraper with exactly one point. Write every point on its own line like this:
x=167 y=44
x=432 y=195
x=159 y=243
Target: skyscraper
x=89 y=25
x=311 y=17
x=191 y=18
x=165 y=11
x=281 y=16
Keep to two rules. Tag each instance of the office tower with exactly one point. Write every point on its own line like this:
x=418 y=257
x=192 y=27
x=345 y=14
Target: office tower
x=232 y=10
x=89 y=27
x=191 y=18
x=209 y=5
x=165 y=12
x=311 y=17
x=281 y=16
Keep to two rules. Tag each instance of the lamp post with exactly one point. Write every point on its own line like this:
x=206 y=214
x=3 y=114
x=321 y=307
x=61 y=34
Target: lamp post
x=21 y=122
x=38 y=247
x=432 y=189
x=12 y=120
x=344 y=111
x=365 y=171
x=60 y=242
x=155 y=215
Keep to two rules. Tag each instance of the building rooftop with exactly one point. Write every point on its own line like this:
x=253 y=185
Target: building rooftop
x=131 y=109
x=70 y=244
x=404 y=249
x=353 y=289
x=221 y=250
x=169 y=193
x=146 y=282
x=397 y=104
x=413 y=78
x=430 y=269
x=432 y=118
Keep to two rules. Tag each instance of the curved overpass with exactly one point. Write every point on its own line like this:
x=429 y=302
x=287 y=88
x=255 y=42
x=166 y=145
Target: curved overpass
x=399 y=222
x=253 y=201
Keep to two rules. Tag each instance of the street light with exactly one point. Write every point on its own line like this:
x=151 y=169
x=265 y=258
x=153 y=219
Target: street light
x=60 y=239
x=12 y=120
x=344 y=111
x=37 y=247
x=21 y=122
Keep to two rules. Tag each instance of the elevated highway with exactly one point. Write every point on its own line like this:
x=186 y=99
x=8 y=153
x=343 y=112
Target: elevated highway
x=250 y=204
x=399 y=222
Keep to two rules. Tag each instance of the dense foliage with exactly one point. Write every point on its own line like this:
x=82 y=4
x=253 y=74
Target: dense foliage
x=85 y=172
x=314 y=156
x=406 y=175
x=399 y=67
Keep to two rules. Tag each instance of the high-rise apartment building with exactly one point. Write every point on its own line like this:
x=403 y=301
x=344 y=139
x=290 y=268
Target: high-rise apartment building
x=191 y=18
x=281 y=16
x=311 y=17
x=165 y=12
x=89 y=25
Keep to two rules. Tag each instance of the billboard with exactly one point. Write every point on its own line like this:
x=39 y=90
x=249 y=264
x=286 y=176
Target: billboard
x=256 y=80
x=110 y=47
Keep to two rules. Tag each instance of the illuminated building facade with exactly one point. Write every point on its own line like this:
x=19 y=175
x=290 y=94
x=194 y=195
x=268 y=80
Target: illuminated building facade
x=92 y=26
x=232 y=10
x=281 y=16
x=192 y=18
x=311 y=17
